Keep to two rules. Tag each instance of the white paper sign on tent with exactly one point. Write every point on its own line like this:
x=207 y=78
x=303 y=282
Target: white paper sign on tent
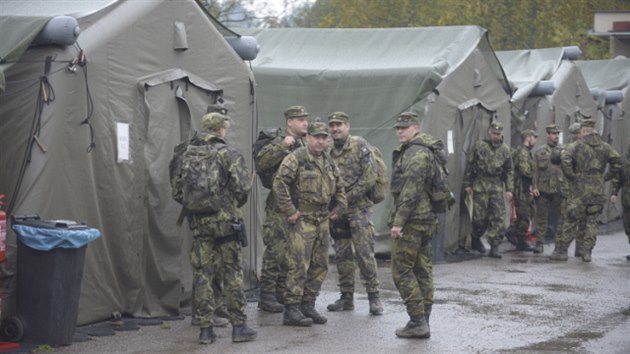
x=449 y=142
x=122 y=137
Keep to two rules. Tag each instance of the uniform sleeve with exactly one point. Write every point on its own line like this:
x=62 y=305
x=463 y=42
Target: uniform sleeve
x=340 y=198
x=470 y=172
x=239 y=182
x=566 y=163
x=615 y=163
x=367 y=175
x=282 y=182
x=272 y=154
x=535 y=170
x=508 y=173
x=523 y=163
x=413 y=187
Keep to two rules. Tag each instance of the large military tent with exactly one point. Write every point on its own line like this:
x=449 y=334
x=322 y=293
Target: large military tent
x=549 y=88
x=609 y=81
x=87 y=132
x=449 y=75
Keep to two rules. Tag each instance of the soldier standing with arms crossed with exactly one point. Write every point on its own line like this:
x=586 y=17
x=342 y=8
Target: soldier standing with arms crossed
x=273 y=272
x=488 y=170
x=305 y=185
x=358 y=171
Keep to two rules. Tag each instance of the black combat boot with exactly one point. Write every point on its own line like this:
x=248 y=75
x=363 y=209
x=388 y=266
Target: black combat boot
x=477 y=245
x=268 y=302
x=417 y=327
x=494 y=249
x=376 y=308
x=539 y=248
x=294 y=317
x=207 y=336
x=523 y=246
x=559 y=253
x=345 y=303
x=308 y=309
x=628 y=257
x=243 y=333
x=586 y=255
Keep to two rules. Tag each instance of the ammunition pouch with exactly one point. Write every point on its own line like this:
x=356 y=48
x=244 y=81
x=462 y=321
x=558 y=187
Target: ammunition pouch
x=340 y=229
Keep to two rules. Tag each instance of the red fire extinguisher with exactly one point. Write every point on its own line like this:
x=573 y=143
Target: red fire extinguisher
x=3 y=231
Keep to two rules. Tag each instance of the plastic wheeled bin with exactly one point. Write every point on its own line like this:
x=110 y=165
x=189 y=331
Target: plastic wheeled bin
x=50 y=259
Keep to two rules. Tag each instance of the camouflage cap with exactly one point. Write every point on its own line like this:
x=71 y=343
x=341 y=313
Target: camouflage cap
x=552 y=128
x=575 y=128
x=317 y=128
x=406 y=119
x=589 y=123
x=528 y=132
x=215 y=121
x=338 y=117
x=295 y=112
x=496 y=127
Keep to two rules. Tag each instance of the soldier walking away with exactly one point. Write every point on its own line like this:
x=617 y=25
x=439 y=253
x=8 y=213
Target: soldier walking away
x=549 y=183
x=306 y=184
x=523 y=191
x=584 y=164
x=488 y=171
x=357 y=167
x=274 y=268
x=216 y=246
x=413 y=223
x=622 y=181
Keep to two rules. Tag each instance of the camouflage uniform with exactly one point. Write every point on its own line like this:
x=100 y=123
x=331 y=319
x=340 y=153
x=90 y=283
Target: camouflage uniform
x=551 y=184
x=214 y=250
x=358 y=172
x=622 y=181
x=412 y=267
x=488 y=170
x=584 y=164
x=273 y=272
x=523 y=175
x=307 y=183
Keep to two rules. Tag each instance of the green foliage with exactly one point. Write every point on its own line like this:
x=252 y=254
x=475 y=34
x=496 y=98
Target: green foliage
x=513 y=24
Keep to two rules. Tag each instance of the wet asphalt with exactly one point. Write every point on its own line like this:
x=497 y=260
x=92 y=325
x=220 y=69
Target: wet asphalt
x=522 y=303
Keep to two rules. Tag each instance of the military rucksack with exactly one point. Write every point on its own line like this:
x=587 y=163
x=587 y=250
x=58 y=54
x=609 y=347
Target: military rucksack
x=379 y=190
x=439 y=191
x=196 y=176
x=265 y=137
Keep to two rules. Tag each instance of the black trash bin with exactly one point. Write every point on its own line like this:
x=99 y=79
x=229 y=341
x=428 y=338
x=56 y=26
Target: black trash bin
x=50 y=259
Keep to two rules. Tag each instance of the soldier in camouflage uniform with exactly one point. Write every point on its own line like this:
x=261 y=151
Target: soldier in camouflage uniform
x=306 y=183
x=523 y=192
x=571 y=197
x=488 y=171
x=549 y=184
x=413 y=224
x=215 y=248
x=622 y=181
x=584 y=164
x=273 y=272
x=357 y=167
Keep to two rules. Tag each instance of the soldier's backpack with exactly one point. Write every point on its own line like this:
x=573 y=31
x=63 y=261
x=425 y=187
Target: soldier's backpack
x=379 y=190
x=265 y=136
x=439 y=191
x=196 y=176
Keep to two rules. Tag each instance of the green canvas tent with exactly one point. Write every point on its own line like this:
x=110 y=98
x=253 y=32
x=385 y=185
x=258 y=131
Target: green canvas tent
x=548 y=89
x=449 y=75
x=136 y=82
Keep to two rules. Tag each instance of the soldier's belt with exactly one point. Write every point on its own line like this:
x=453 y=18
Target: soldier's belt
x=314 y=218
x=313 y=208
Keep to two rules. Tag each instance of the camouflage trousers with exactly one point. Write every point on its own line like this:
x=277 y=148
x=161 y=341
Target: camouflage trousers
x=524 y=214
x=549 y=222
x=362 y=239
x=209 y=258
x=274 y=265
x=412 y=268
x=626 y=220
x=307 y=258
x=581 y=222
x=488 y=216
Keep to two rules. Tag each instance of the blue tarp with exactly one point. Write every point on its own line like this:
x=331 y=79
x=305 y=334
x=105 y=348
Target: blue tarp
x=46 y=239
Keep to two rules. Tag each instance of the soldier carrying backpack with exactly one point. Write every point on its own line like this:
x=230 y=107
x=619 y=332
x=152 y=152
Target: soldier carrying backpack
x=211 y=181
